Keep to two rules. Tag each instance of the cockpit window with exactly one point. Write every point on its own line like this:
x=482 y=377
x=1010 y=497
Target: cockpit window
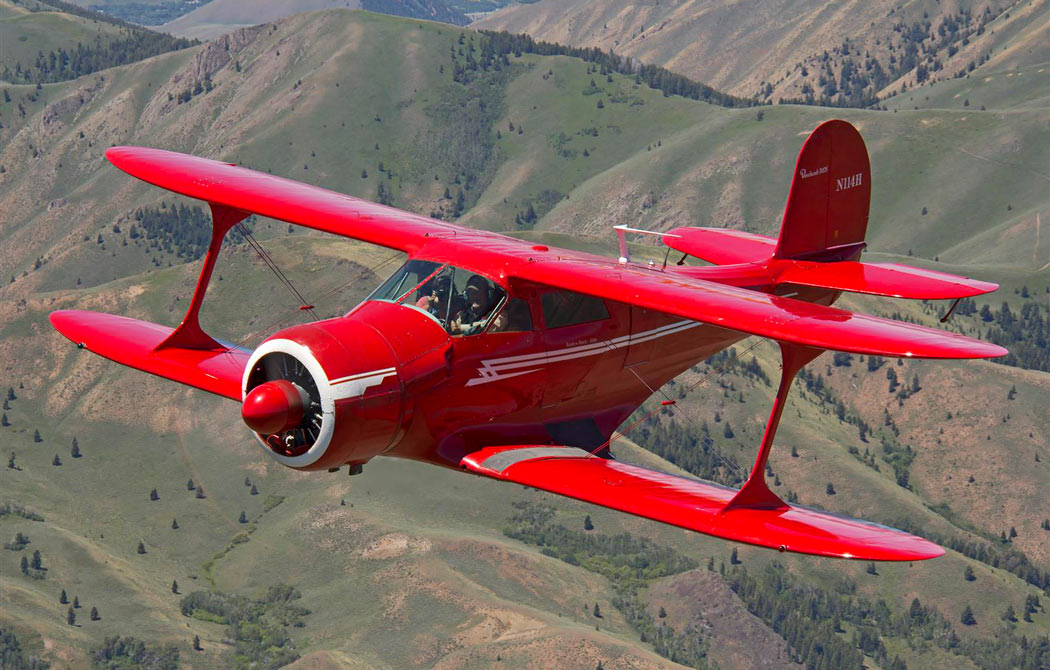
x=463 y=302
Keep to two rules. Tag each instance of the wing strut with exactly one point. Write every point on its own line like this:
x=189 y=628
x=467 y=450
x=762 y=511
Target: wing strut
x=755 y=493
x=189 y=334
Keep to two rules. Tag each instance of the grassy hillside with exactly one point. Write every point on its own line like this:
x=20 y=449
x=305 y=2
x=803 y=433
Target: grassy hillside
x=414 y=569
x=46 y=42
x=27 y=28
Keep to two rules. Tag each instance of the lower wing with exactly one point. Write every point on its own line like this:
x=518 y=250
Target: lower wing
x=135 y=343
x=694 y=504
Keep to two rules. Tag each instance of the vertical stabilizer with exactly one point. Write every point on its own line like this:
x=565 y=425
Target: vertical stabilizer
x=826 y=215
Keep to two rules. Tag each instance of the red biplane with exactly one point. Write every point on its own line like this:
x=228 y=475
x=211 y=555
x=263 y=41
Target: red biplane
x=516 y=361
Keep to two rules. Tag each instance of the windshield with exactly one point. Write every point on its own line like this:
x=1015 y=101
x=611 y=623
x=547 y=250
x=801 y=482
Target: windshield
x=463 y=302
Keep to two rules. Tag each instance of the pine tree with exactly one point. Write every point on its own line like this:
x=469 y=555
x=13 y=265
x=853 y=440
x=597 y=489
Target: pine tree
x=71 y=617
x=36 y=436
x=255 y=490
x=244 y=518
x=734 y=558
x=247 y=482
x=25 y=565
x=174 y=523
x=153 y=495
x=11 y=462
x=142 y=548
x=197 y=643
x=175 y=586
x=967 y=617
x=968 y=574
x=190 y=485
x=587 y=525
x=76 y=602
x=75 y=451
x=871 y=570
x=63 y=598
x=663 y=612
x=94 y=614
x=830 y=489
x=200 y=492
x=36 y=563
x=4 y=420
x=56 y=460
x=1009 y=614
x=597 y=611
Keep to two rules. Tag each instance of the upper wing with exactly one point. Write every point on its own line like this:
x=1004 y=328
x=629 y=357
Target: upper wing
x=279 y=198
x=694 y=504
x=751 y=312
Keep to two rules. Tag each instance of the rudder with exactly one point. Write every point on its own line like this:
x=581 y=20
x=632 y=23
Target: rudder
x=826 y=215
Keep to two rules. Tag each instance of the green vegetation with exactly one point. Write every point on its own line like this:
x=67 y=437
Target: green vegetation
x=176 y=229
x=661 y=79
x=811 y=619
x=626 y=560
x=852 y=76
x=126 y=653
x=257 y=627
x=19 y=510
x=129 y=45
x=13 y=657
x=629 y=562
x=149 y=13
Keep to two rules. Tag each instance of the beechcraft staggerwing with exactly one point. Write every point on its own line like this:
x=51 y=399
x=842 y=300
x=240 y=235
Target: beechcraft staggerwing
x=518 y=361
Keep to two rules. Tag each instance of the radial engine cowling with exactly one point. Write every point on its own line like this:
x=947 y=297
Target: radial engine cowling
x=324 y=394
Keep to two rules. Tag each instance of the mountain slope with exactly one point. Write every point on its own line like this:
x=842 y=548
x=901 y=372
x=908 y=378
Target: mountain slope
x=414 y=570
x=796 y=49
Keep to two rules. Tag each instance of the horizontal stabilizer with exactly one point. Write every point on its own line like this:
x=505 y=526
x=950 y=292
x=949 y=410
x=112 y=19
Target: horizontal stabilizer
x=886 y=279
x=721 y=246
x=132 y=342
x=695 y=504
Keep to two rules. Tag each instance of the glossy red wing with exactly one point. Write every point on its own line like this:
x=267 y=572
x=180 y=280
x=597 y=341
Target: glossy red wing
x=279 y=198
x=132 y=343
x=751 y=312
x=694 y=504
x=888 y=279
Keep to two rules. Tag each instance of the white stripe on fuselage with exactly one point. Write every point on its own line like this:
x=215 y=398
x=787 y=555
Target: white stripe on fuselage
x=504 y=368
x=353 y=386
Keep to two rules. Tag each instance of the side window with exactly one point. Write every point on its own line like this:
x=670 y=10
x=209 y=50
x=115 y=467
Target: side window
x=513 y=318
x=477 y=299
x=565 y=308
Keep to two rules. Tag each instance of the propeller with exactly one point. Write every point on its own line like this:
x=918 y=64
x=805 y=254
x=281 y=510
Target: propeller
x=283 y=404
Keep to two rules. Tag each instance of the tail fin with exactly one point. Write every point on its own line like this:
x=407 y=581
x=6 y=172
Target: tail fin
x=826 y=215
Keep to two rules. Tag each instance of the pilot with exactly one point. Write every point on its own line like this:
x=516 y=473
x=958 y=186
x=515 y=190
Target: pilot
x=479 y=305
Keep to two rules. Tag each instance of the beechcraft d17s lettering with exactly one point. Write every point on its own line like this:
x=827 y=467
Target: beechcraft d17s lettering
x=516 y=361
